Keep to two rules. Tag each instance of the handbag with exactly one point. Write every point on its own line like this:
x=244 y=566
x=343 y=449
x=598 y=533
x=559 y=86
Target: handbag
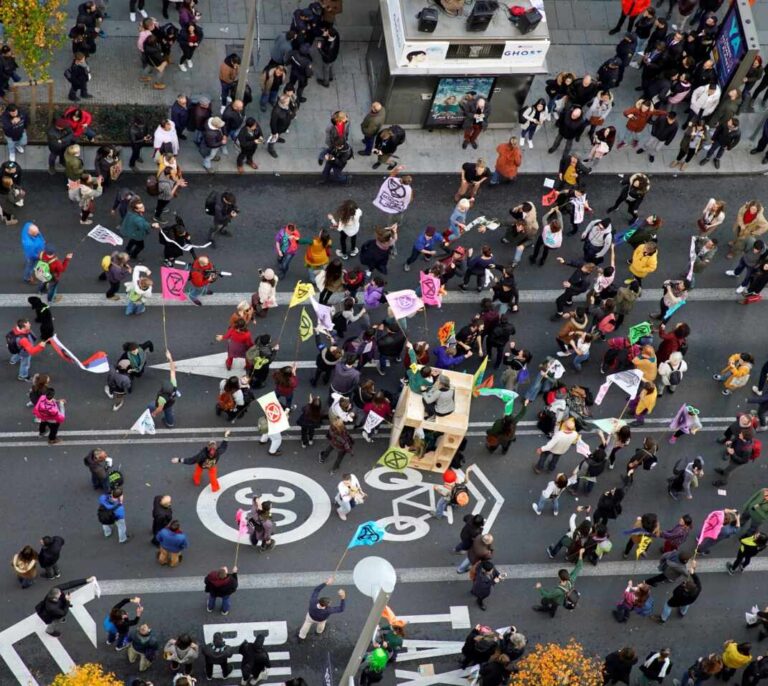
x=115 y=170
x=153 y=187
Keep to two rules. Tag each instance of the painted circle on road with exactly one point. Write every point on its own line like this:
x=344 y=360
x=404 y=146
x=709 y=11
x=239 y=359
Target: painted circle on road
x=207 y=503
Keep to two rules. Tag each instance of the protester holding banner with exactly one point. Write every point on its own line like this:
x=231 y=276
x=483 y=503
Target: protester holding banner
x=320 y=610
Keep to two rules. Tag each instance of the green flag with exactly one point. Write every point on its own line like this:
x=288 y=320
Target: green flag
x=637 y=331
x=396 y=459
x=507 y=397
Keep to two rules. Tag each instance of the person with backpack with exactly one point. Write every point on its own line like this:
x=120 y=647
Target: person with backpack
x=166 y=396
x=206 y=459
x=32 y=244
x=49 y=270
x=119 y=383
x=455 y=495
x=171 y=542
x=286 y=246
x=239 y=341
x=99 y=465
x=22 y=344
x=111 y=513
x=685 y=475
x=54 y=608
x=48 y=557
x=223 y=208
x=564 y=594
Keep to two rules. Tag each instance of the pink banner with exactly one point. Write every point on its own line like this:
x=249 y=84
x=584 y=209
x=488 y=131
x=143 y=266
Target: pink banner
x=174 y=281
x=430 y=290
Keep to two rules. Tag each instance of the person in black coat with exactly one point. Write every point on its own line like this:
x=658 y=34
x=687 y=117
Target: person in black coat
x=657 y=665
x=570 y=126
x=248 y=139
x=79 y=75
x=479 y=646
x=610 y=72
x=60 y=137
x=138 y=135
x=217 y=652
x=162 y=515
x=255 y=660
x=625 y=49
x=618 y=666
x=473 y=527
x=684 y=595
x=300 y=64
x=726 y=137
x=179 y=115
x=55 y=606
x=609 y=505
x=756 y=671
x=48 y=557
x=495 y=672
x=476 y=111
x=583 y=90
x=326 y=51
x=279 y=122
x=578 y=282
x=486 y=577
x=663 y=132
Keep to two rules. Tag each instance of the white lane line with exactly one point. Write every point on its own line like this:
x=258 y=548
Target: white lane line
x=228 y=299
x=410 y=575
x=253 y=438
x=249 y=429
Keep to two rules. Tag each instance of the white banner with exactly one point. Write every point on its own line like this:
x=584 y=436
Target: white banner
x=372 y=421
x=628 y=381
x=144 y=424
x=103 y=235
x=276 y=420
x=393 y=196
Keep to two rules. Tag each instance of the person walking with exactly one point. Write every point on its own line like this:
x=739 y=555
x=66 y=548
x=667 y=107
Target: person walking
x=48 y=557
x=486 y=576
x=481 y=549
x=734 y=657
x=749 y=546
x=118 y=271
x=221 y=583
x=111 y=513
x=551 y=493
x=617 y=667
x=683 y=596
x=135 y=228
x=206 y=459
x=320 y=609
x=349 y=495
x=162 y=516
x=561 y=441
x=79 y=77
x=217 y=652
x=674 y=565
x=143 y=646
x=118 y=623
x=552 y=598
x=171 y=542
x=23 y=345
x=25 y=566
x=339 y=439
x=656 y=667
x=54 y=608
x=51 y=414
x=738 y=452
x=755 y=511
x=735 y=374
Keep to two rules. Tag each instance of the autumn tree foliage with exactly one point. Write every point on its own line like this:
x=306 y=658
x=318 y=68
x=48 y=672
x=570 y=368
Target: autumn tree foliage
x=558 y=665
x=35 y=30
x=87 y=675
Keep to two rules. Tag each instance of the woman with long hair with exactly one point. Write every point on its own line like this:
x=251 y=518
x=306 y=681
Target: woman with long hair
x=333 y=280
x=347 y=222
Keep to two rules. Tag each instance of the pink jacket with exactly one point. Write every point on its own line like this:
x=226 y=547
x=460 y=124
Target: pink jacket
x=48 y=410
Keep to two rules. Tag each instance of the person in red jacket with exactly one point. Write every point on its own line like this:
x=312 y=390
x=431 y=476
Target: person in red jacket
x=201 y=276
x=286 y=383
x=56 y=268
x=632 y=9
x=79 y=120
x=25 y=347
x=238 y=341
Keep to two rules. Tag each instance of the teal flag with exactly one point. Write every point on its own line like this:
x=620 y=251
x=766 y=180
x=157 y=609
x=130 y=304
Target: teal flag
x=608 y=425
x=637 y=332
x=507 y=397
x=368 y=533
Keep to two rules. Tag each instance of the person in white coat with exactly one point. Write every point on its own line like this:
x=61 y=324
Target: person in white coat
x=704 y=101
x=138 y=290
x=671 y=373
x=598 y=239
x=557 y=446
x=165 y=133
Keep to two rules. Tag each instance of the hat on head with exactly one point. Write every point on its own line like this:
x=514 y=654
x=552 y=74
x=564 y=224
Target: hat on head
x=216 y=122
x=268 y=274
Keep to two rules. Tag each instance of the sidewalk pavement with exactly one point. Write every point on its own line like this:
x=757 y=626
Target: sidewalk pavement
x=580 y=43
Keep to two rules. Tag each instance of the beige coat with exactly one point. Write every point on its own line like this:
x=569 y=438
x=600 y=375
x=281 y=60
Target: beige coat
x=741 y=231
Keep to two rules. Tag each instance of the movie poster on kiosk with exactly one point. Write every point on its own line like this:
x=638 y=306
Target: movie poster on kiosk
x=450 y=93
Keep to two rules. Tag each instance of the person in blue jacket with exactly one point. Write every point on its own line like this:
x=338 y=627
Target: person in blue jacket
x=320 y=609
x=172 y=541
x=425 y=245
x=112 y=512
x=446 y=357
x=32 y=243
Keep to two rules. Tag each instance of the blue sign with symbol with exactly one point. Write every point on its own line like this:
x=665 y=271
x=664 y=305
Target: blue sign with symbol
x=730 y=46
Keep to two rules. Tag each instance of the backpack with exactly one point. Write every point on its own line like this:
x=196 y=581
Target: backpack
x=571 y=599
x=675 y=377
x=68 y=74
x=42 y=271
x=520 y=115
x=106 y=516
x=757 y=449
x=398 y=134
x=12 y=343
x=226 y=401
x=210 y=203
x=115 y=479
x=339 y=322
x=106 y=261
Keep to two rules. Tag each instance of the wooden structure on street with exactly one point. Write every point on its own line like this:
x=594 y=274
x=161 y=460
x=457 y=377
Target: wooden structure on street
x=453 y=427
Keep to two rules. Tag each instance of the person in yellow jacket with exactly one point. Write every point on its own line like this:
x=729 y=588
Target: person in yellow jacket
x=736 y=372
x=646 y=362
x=643 y=403
x=645 y=260
x=735 y=656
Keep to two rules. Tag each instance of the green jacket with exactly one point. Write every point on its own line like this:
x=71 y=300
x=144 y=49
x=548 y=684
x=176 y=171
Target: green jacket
x=757 y=507
x=135 y=227
x=416 y=382
x=497 y=427
x=73 y=167
x=373 y=122
x=558 y=592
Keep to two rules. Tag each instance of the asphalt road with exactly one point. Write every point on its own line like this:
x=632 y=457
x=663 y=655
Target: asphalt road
x=49 y=491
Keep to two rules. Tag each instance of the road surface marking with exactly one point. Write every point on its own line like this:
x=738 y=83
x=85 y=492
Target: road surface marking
x=231 y=299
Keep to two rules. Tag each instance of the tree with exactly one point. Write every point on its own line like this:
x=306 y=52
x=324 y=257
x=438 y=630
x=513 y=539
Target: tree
x=35 y=29
x=87 y=675
x=556 y=665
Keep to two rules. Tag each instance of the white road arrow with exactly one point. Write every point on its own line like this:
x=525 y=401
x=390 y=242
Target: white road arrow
x=490 y=518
